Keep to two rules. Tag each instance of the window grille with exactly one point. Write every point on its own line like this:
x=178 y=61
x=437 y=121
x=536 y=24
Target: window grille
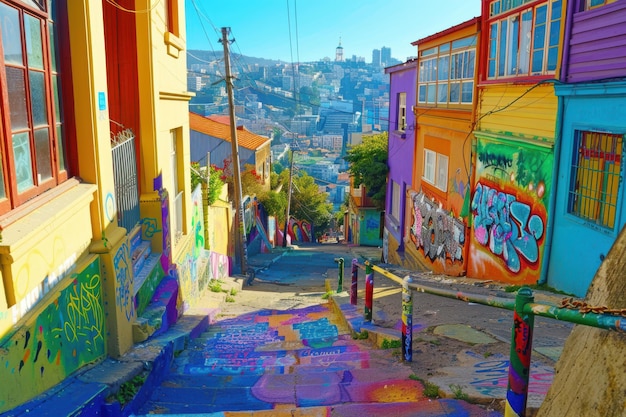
x=595 y=177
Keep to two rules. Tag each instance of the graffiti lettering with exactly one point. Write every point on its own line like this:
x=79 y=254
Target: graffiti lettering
x=436 y=231
x=506 y=226
x=496 y=161
x=123 y=293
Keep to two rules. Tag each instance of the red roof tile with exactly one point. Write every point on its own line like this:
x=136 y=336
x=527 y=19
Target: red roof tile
x=213 y=128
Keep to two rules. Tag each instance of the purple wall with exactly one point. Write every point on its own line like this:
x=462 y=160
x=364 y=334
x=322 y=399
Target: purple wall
x=403 y=78
x=596 y=48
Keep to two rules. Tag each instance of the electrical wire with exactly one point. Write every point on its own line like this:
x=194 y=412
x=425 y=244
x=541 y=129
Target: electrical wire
x=116 y=5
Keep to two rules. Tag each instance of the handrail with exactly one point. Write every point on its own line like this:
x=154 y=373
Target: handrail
x=523 y=306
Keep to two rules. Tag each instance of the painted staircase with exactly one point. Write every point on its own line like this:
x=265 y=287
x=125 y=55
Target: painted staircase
x=154 y=292
x=283 y=363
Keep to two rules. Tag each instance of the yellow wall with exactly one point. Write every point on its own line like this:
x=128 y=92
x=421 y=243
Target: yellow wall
x=513 y=109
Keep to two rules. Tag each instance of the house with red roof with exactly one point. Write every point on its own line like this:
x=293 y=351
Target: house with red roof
x=210 y=139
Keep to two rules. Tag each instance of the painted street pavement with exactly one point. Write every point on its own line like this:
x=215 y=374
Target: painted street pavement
x=299 y=362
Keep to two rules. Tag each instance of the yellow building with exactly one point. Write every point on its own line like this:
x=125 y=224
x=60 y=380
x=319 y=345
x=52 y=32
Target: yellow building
x=96 y=209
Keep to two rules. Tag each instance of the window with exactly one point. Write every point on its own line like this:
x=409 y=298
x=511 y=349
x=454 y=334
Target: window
x=171 y=10
x=595 y=177
x=177 y=190
x=524 y=42
x=401 y=116
x=32 y=129
x=446 y=73
x=436 y=169
x=592 y=4
x=395 y=200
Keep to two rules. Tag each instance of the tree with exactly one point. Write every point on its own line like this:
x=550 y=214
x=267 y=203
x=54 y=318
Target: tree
x=308 y=203
x=368 y=166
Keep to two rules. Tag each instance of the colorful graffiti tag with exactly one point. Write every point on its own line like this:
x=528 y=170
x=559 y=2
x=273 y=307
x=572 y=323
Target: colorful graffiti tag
x=436 y=232
x=508 y=210
x=123 y=290
x=506 y=226
x=56 y=339
x=300 y=230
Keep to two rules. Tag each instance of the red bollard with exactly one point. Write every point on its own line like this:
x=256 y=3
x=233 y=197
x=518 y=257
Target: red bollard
x=369 y=291
x=355 y=277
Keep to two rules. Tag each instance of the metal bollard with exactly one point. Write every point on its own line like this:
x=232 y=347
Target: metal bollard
x=369 y=291
x=355 y=277
x=407 y=320
x=521 y=349
x=340 y=279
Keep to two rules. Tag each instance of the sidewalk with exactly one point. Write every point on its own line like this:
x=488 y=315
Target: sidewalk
x=465 y=356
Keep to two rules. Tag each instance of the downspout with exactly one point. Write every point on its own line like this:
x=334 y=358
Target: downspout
x=545 y=263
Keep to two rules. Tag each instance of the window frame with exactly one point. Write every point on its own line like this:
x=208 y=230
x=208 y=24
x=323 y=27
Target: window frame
x=438 y=69
x=583 y=166
x=44 y=113
x=433 y=169
x=395 y=200
x=401 y=112
x=589 y=6
x=500 y=23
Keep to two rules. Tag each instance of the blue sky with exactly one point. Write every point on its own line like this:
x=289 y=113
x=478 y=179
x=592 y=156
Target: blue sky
x=261 y=28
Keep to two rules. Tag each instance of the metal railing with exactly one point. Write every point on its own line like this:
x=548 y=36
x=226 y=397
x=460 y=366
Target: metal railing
x=523 y=306
x=125 y=179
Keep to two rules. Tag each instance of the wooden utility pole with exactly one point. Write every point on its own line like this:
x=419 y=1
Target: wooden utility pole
x=240 y=231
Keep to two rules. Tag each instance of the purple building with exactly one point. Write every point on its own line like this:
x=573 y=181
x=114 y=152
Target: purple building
x=402 y=82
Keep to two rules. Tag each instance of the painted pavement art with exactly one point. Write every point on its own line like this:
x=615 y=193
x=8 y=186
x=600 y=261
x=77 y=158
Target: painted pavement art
x=282 y=360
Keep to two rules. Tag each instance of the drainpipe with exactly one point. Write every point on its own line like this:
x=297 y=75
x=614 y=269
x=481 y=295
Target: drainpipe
x=543 y=277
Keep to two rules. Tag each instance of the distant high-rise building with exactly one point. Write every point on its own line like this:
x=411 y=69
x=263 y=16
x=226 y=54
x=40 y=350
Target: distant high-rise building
x=339 y=52
x=376 y=57
x=385 y=56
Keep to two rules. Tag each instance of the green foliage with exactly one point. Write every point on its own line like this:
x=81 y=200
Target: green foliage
x=275 y=203
x=391 y=344
x=360 y=335
x=458 y=393
x=216 y=183
x=308 y=203
x=215 y=180
x=129 y=389
x=215 y=286
x=368 y=166
x=430 y=390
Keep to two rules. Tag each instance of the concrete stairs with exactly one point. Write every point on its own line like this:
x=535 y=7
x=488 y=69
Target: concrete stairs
x=291 y=363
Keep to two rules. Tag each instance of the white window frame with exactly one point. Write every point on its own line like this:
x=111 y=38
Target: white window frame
x=449 y=66
x=436 y=169
x=395 y=200
x=401 y=116
x=512 y=51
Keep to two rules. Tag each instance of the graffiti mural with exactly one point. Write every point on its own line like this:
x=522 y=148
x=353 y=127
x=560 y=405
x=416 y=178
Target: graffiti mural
x=57 y=338
x=123 y=290
x=436 y=233
x=300 y=230
x=506 y=226
x=508 y=210
x=166 y=255
x=369 y=228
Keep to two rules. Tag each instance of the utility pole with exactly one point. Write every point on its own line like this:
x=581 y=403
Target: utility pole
x=240 y=230
x=288 y=196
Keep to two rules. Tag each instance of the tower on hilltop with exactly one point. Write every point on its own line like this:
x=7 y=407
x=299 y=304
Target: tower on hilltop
x=339 y=52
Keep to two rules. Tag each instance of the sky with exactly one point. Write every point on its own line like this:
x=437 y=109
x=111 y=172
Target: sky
x=309 y=30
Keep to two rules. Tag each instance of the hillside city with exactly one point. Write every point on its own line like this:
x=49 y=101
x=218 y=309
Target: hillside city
x=316 y=108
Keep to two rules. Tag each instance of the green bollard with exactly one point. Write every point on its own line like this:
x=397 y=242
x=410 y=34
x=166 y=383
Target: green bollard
x=340 y=280
x=521 y=349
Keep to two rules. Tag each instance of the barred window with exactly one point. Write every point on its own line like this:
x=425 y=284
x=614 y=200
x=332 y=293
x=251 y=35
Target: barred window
x=595 y=177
